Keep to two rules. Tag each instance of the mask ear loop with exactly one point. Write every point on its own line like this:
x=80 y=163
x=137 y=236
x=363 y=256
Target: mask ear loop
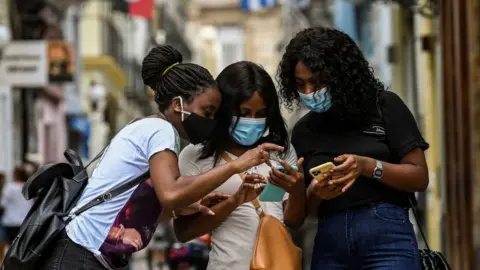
x=181 y=108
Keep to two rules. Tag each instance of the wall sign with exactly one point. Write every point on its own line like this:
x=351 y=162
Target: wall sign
x=36 y=63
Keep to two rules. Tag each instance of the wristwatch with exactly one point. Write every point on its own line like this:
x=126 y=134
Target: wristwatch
x=378 y=171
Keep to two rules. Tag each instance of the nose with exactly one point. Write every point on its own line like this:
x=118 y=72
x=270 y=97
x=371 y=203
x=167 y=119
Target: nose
x=309 y=88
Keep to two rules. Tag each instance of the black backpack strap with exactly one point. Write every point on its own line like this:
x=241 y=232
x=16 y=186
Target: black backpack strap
x=112 y=193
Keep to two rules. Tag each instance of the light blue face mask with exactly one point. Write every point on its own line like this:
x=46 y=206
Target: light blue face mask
x=318 y=101
x=248 y=130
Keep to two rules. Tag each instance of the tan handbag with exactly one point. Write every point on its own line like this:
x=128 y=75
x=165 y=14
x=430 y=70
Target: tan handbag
x=274 y=248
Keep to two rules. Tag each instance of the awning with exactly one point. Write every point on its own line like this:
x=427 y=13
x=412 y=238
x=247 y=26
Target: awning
x=110 y=67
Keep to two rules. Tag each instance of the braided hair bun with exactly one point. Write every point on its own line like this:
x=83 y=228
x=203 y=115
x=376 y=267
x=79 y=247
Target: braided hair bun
x=156 y=62
x=164 y=72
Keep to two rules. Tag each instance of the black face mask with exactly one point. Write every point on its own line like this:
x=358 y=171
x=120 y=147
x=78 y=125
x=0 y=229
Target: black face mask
x=198 y=128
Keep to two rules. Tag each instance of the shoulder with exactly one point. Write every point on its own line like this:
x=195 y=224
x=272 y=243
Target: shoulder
x=154 y=128
x=190 y=152
x=151 y=125
x=389 y=99
x=190 y=162
x=151 y=135
x=300 y=127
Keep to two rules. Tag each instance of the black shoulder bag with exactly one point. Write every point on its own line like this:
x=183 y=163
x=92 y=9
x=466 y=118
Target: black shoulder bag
x=430 y=260
x=57 y=188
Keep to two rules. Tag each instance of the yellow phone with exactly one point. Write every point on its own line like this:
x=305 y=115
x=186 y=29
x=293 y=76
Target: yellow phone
x=320 y=170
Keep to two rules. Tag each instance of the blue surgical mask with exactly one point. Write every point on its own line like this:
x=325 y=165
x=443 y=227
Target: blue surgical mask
x=248 y=130
x=318 y=101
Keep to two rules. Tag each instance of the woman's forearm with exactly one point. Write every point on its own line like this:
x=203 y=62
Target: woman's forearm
x=403 y=177
x=190 y=227
x=202 y=184
x=296 y=208
x=175 y=191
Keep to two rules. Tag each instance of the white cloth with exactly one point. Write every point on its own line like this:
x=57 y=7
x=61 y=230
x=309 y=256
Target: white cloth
x=98 y=92
x=15 y=206
x=233 y=241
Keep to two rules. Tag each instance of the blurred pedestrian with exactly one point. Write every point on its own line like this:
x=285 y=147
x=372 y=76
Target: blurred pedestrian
x=3 y=233
x=106 y=235
x=15 y=206
x=248 y=116
x=372 y=138
x=97 y=95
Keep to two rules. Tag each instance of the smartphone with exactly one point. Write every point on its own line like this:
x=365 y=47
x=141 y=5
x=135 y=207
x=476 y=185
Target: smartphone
x=282 y=169
x=273 y=193
x=319 y=171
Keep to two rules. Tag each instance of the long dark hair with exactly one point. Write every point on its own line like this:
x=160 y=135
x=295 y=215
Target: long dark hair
x=335 y=58
x=237 y=83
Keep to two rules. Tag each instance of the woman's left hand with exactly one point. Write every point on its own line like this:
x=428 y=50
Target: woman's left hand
x=345 y=174
x=203 y=205
x=290 y=182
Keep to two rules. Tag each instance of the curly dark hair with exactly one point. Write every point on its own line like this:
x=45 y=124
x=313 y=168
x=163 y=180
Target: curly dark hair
x=164 y=72
x=333 y=57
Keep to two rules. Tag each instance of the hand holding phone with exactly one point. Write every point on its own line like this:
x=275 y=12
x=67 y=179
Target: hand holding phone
x=282 y=169
x=273 y=193
x=318 y=173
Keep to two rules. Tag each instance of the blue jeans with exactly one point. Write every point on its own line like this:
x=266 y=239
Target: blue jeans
x=379 y=236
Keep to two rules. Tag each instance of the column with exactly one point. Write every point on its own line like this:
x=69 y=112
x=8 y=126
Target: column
x=458 y=38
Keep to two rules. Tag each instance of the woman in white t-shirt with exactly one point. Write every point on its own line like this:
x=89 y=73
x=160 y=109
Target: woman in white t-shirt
x=105 y=236
x=249 y=115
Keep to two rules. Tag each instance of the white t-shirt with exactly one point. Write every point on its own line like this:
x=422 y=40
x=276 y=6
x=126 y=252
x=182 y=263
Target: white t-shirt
x=103 y=229
x=15 y=206
x=233 y=240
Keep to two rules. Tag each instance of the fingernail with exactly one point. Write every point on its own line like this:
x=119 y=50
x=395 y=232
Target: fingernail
x=330 y=182
x=211 y=212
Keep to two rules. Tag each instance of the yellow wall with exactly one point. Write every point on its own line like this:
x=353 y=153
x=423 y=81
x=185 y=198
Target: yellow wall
x=428 y=107
x=428 y=100
x=398 y=80
x=93 y=14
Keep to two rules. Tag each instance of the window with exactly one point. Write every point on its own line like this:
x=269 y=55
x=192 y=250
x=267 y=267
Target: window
x=230 y=46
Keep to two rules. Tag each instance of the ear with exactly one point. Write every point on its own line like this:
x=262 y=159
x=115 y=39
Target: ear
x=176 y=105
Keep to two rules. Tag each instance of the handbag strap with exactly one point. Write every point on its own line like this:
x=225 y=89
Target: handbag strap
x=255 y=202
x=410 y=201
x=417 y=221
